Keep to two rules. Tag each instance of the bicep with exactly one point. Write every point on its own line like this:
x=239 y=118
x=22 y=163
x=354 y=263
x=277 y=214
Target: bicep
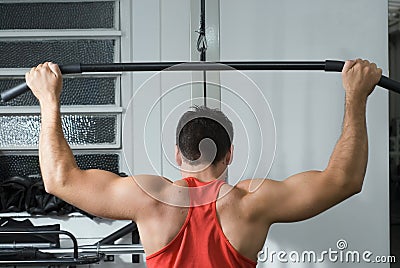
x=299 y=197
x=102 y=193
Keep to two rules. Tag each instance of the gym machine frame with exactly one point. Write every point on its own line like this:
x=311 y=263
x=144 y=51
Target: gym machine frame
x=77 y=255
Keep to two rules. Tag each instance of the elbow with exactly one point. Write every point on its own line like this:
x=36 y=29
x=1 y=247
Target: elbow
x=49 y=188
x=357 y=187
x=56 y=177
x=51 y=185
x=349 y=183
x=54 y=183
x=352 y=187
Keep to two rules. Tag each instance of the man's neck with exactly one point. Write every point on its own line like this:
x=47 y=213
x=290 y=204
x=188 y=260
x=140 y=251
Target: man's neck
x=204 y=174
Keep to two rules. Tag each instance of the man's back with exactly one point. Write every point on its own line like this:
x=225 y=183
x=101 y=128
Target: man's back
x=164 y=222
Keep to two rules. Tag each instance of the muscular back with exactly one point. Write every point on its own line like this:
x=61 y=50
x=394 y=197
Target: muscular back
x=162 y=222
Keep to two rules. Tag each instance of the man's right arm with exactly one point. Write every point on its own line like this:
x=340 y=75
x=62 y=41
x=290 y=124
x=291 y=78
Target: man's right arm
x=98 y=192
x=95 y=191
x=307 y=194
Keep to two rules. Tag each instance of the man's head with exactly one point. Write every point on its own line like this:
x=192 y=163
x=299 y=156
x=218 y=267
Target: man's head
x=204 y=135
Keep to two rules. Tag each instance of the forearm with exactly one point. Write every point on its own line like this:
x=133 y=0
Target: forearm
x=55 y=155
x=349 y=159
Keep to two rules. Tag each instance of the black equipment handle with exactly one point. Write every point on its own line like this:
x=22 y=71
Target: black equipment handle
x=14 y=92
x=328 y=66
x=385 y=82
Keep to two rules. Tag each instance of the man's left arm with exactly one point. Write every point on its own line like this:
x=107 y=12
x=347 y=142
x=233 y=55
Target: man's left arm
x=307 y=194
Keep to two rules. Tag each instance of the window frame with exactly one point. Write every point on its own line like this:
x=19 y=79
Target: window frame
x=123 y=43
x=71 y=34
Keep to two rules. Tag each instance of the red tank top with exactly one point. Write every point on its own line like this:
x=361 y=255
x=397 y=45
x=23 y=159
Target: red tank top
x=201 y=242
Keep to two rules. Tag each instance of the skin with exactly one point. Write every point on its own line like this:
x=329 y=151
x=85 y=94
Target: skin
x=296 y=198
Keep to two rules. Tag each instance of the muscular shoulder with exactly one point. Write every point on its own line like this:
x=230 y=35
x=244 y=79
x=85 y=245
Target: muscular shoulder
x=163 y=191
x=151 y=183
x=152 y=187
x=237 y=196
x=250 y=186
x=254 y=196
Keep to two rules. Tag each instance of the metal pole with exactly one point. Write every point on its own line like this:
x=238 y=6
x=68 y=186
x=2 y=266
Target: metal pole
x=104 y=249
x=110 y=239
x=328 y=66
x=73 y=250
x=200 y=66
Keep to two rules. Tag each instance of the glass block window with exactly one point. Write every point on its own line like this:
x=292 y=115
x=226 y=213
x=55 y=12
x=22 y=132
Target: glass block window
x=64 y=32
x=26 y=54
x=76 y=91
x=73 y=15
x=25 y=165
x=23 y=131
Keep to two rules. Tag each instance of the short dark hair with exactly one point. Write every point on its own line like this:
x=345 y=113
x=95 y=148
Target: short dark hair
x=203 y=123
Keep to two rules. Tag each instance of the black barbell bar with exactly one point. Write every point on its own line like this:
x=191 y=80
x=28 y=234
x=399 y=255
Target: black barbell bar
x=327 y=66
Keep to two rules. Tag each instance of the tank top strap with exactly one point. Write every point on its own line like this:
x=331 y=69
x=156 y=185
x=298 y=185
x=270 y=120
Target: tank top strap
x=203 y=193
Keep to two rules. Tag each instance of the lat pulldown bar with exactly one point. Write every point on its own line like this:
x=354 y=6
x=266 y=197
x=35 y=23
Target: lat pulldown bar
x=327 y=66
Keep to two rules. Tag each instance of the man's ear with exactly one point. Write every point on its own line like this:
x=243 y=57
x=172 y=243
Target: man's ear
x=229 y=156
x=178 y=156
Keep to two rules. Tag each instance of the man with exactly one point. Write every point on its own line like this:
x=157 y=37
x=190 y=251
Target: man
x=201 y=221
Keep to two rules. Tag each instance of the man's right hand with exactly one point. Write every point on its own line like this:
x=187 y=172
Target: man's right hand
x=360 y=78
x=45 y=81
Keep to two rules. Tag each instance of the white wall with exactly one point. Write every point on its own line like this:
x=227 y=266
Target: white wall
x=308 y=109
x=161 y=33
